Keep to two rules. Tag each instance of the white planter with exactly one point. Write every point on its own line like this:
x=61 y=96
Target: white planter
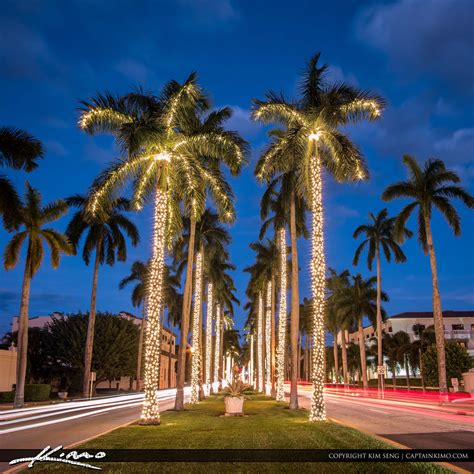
x=62 y=395
x=234 y=405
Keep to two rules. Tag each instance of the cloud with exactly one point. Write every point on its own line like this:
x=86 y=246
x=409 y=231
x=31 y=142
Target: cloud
x=211 y=10
x=423 y=37
x=133 y=69
x=53 y=146
x=39 y=302
x=339 y=213
x=94 y=152
x=242 y=123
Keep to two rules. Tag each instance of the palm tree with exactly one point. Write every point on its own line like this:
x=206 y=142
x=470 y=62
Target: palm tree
x=357 y=301
x=380 y=235
x=20 y=151
x=427 y=188
x=138 y=273
x=104 y=237
x=396 y=346
x=313 y=123
x=33 y=217
x=161 y=158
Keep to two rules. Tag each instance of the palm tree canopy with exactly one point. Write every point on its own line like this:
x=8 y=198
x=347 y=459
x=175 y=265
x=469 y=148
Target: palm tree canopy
x=33 y=218
x=315 y=118
x=19 y=150
x=105 y=229
x=164 y=143
x=428 y=187
x=380 y=234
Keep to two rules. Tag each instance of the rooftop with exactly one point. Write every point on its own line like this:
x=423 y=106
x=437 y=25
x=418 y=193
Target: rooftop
x=429 y=314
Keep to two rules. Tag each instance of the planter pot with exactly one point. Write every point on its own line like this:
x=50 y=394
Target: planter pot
x=62 y=395
x=234 y=405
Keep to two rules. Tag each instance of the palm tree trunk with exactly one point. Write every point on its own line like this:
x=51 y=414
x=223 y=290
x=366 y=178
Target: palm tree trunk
x=394 y=375
x=295 y=307
x=379 y=323
x=407 y=370
x=195 y=350
x=22 y=339
x=345 y=374
x=306 y=369
x=201 y=353
x=217 y=344
x=260 y=379
x=91 y=324
x=300 y=342
x=221 y=348
x=179 y=401
x=209 y=307
x=273 y=348
x=280 y=355
x=336 y=360
x=318 y=281
x=155 y=305
x=140 y=348
x=170 y=359
x=437 y=315
x=268 y=337
x=363 y=360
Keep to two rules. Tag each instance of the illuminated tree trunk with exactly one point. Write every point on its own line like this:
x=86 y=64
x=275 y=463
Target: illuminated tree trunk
x=345 y=374
x=217 y=345
x=260 y=346
x=318 y=276
x=295 y=308
x=282 y=310
x=22 y=337
x=91 y=324
x=336 y=359
x=207 y=377
x=437 y=315
x=221 y=348
x=363 y=358
x=154 y=306
x=268 y=339
x=251 y=377
x=196 y=350
x=380 y=377
x=179 y=401
x=140 y=348
x=273 y=337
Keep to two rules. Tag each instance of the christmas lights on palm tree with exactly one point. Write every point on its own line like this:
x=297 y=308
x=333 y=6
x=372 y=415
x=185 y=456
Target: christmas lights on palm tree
x=163 y=161
x=313 y=127
x=380 y=235
x=430 y=187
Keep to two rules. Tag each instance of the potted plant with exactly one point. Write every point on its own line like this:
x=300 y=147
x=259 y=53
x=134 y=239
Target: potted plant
x=234 y=395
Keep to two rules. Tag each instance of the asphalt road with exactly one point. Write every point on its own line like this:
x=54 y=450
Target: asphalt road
x=412 y=427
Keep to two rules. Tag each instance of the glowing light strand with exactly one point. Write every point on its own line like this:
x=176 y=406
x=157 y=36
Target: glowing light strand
x=196 y=350
x=268 y=338
x=318 y=275
x=98 y=113
x=251 y=370
x=282 y=317
x=260 y=343
x=150 y=411
x=210 y=290
x=217 y=343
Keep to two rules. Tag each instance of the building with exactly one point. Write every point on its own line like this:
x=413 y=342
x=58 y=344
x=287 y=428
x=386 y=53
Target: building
x=169 y=349
x=458 y=326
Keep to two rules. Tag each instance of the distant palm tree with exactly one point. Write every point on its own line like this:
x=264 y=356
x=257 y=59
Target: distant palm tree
x=33 y=217
x=380 y=235
x=314 y=128
x=357 y=301
x=19 y=151
x=395 y=347
x=104 y=237
x=428 y=188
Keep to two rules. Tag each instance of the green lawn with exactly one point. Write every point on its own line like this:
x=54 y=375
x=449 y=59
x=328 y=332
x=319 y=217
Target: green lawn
x=269 y=425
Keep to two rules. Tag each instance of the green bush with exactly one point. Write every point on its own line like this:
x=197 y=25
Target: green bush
x=401 y=382
x=457 y=362
x=6 y=397
x=37 y=392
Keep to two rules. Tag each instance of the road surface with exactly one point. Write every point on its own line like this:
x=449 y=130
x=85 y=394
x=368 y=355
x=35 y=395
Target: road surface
x=414 y=427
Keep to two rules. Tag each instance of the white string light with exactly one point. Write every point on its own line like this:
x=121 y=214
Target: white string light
x=207 y=377
x=268 y=338
x=251 y=378
x=260 y=343
x=196 y=352
x=150 y=411
x=217 y=346
x=318 y=278
x=282 y=316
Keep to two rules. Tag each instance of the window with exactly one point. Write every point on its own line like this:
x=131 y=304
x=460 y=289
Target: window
x=472 y=327
x=390 y=329
x=458 y=327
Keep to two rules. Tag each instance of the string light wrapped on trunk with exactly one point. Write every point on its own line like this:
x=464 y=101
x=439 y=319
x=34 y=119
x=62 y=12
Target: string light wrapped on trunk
x=260 y=343
x=268 y=338
x=282 y=317
x=210 y=290
x=196 y=350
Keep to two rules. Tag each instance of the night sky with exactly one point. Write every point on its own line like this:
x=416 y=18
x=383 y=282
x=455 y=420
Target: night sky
x=415 y=53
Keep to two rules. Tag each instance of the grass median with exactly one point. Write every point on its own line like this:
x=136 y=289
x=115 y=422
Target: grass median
x=269 y=425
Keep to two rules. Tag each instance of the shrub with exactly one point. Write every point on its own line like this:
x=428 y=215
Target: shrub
x=6 y=397
x=37 y=392
x=457 y=362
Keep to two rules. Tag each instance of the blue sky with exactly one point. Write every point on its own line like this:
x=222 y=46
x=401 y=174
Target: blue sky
x=416 y=53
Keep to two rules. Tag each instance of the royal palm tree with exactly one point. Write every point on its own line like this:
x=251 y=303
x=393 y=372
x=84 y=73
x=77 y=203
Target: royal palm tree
x=163 y=159
x=19 y=151
x=33 y=217
x=104 y=235
x=430 y=187
x=396 y=346
x=288 y=208
x=313 y=130
x=380 y=235
x=357 y=301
